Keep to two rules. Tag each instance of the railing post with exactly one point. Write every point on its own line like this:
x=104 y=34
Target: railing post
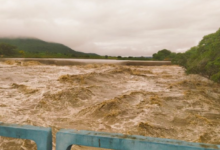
x=66 y=138
x=40 y=135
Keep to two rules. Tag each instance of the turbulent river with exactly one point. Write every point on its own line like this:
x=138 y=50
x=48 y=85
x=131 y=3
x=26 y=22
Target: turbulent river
x=156 y=101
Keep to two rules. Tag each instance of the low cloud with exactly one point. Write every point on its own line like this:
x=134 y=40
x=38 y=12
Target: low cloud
x=110 y=27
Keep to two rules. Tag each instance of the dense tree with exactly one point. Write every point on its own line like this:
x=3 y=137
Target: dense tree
x=162 y=55
x=7 y=50
x=203 y=59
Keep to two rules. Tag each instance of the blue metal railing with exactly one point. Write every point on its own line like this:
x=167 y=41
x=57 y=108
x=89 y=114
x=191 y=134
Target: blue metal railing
x=66 y=138
x=41 y=136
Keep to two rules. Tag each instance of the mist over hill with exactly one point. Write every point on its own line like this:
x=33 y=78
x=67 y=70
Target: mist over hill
x=37 y=47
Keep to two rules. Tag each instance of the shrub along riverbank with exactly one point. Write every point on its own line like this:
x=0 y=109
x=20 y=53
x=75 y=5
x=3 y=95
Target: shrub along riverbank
x=203 y=59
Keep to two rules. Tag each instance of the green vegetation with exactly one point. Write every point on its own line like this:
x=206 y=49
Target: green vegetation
x=7 y=50
x=203 y=59
x=133 y=58
x=164 y=54
x=35 y=48
x=40 y=49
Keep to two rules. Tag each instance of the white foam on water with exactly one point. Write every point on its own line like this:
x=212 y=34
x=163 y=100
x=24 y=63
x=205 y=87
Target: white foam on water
x=58 y=104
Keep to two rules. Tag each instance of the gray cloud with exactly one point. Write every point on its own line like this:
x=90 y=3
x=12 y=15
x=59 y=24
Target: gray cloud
x=112 y=27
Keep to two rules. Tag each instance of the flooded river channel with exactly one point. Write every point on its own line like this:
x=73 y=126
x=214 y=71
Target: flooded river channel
x=156 y=101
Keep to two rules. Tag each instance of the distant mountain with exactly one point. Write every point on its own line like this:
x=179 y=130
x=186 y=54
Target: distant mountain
x=36 y=46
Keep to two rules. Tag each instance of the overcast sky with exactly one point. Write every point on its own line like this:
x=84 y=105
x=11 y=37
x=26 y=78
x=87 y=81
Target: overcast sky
x=112 y=27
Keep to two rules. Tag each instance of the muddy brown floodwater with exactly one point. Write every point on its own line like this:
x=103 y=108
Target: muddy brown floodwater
x=155 y=101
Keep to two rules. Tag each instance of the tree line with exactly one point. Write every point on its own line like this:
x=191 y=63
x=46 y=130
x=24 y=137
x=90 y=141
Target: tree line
x=203 y=59
x=8 y=50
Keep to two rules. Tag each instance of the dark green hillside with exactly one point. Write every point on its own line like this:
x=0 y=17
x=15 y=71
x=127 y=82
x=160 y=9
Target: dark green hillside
x=39 y=48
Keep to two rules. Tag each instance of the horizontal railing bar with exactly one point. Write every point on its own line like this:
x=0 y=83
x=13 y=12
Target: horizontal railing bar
x=65 y=138
x=40 y=135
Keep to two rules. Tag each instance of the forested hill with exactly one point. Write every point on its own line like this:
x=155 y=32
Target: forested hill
x=39 y=48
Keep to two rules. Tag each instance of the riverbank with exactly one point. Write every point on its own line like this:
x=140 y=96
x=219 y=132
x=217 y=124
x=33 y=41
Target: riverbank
x=69 y=62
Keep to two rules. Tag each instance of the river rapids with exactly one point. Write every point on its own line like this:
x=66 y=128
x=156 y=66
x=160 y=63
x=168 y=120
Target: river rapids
x=155 y=101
